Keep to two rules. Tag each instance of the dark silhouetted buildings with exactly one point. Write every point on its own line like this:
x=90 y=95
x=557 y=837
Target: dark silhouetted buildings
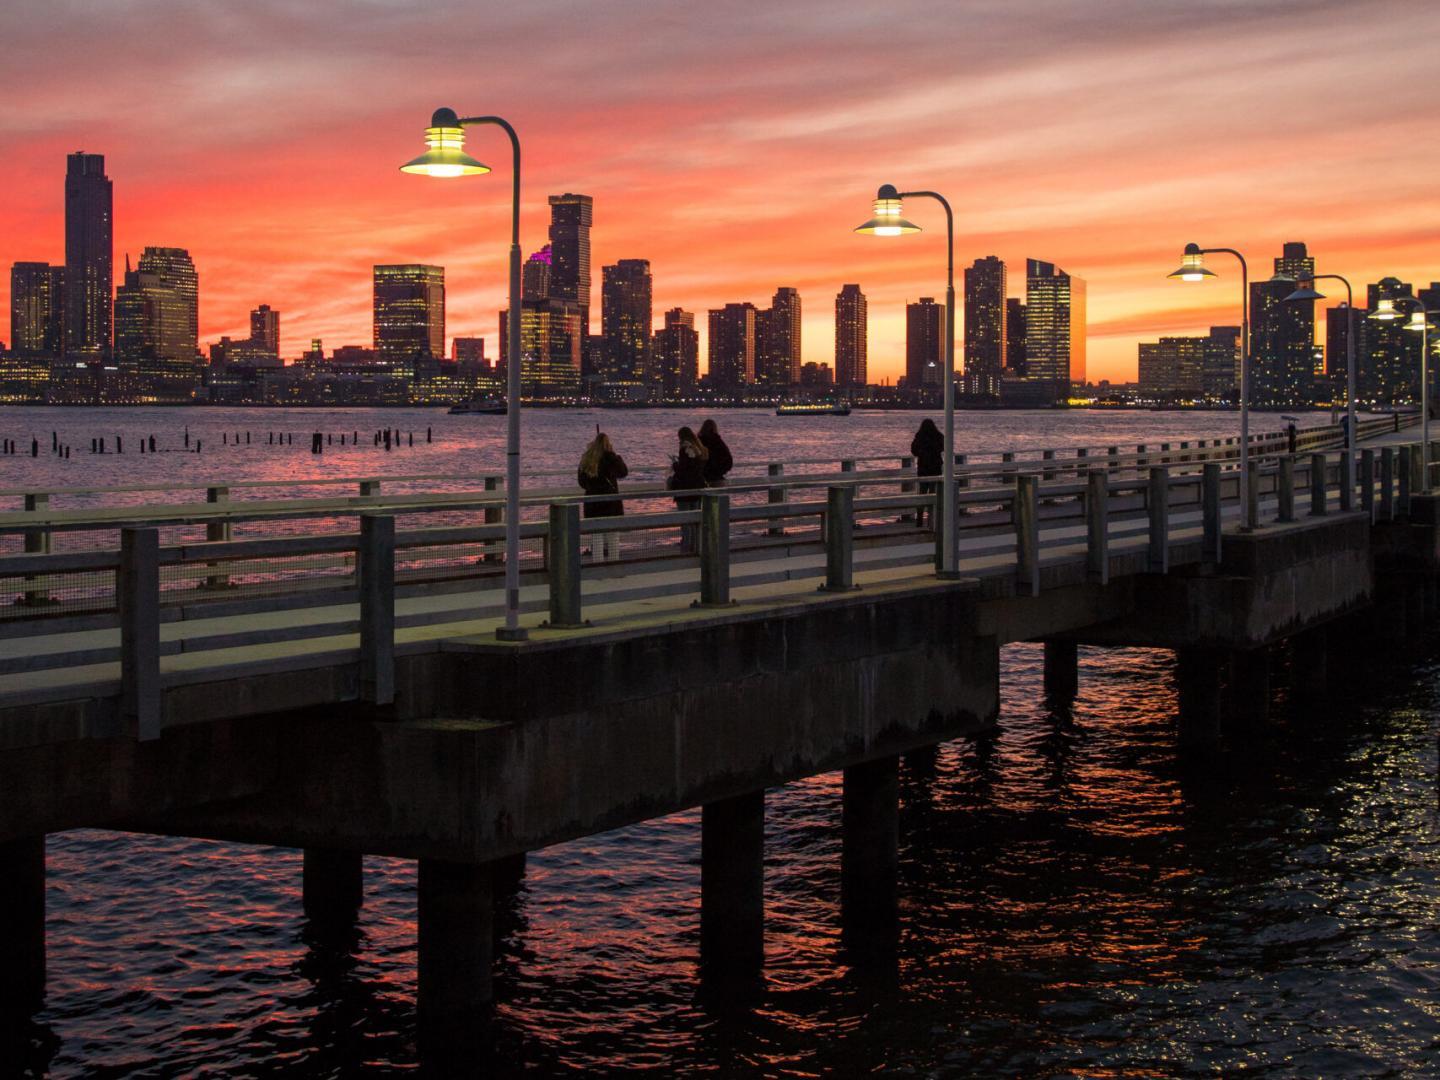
x=851 y=338
x=732 y=346
x=1220 y=379
x=777 y=340
x=1015 y=337
x=676 y=352
x=1282 y=335
x=89 y=255
x=154 y=337
x=1390 y=372
x=409 y=312
x=1054 y=328
x=570 y=220
x=924 y=344
x=625 y=319
x=985 y=309
x=265 y=329
x=37 y=308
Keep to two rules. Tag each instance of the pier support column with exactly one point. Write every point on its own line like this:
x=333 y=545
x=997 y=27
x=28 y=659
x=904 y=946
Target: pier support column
x=22 y=924
x=1309 y=654
x=1197 y=678
x=333 y=885
x=732 y=890
x=1062 y=670
x=455 y=913
x=870 y=848
x=1248 y=701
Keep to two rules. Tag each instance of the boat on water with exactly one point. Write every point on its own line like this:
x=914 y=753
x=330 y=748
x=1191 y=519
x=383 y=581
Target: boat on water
x=478 y=408
x=813 y=408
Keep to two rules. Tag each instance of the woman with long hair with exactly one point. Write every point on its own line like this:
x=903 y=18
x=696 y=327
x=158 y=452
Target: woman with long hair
x=687 y=473
x=928 y=447
x=601 y=470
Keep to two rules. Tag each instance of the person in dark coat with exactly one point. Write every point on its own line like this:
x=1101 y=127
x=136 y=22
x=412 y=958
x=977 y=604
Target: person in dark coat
x=601 y=470
x=718 y=461
x=928 y=448
x=687 y=473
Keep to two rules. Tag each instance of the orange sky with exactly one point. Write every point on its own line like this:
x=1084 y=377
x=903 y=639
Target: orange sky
x=734 y=145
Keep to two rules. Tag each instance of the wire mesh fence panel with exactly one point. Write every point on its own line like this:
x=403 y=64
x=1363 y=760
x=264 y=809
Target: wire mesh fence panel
x=27 y=596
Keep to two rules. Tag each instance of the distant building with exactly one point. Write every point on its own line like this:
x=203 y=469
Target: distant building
x=777 y=340
x=985 y=310
x=535 y=276
x=676 y=352
x=1391 y=367
x=1014 y=337
x=924 y=334
x=89 y=255
x=851 y=337
x=1054 y=327
x=1220 y=378
x=1337 y=336
x=1282 y=335
x=409 y=312
x=153 y=338
x=550 y=345
x=625 y=320
x=469 y=350
x=37 y=308
x=265 y=328
x=732 y=346
x=174 y=267
x=817 y=376
x=1172 y=369
x=570 y=219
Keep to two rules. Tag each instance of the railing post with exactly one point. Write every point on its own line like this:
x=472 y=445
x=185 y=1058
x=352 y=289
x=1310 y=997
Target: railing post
x=494 y=515
x=37 y=542
x=1387 y=484
x=1140 y=459
x=777 y=495
x=138 y=598
x=1417 y=471
x=714 y=549
x=1367 y=483
x=962 y=481
x=1025 y=513
x=1113 y=464
x=907 y=487
x=1347 y=481
x=1285 y=495
x=377 y=608
x=562 y=564
x=216 y=531
x=1048 y=473
x=1211 y=514
x=369 y=488
x=1157 y=502
x=1402 y=505
x=1097 y=526
x=847 y=465
x=1318 y=506
x=839 y=539
x=1164 y=453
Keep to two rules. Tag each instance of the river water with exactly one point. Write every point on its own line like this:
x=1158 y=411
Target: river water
x=1075 y=900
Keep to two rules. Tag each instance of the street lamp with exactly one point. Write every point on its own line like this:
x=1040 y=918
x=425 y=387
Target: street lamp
x=445 y=157
x=1306 y=291
x=1385 y=311
x=889 y=221
x=1192 y=268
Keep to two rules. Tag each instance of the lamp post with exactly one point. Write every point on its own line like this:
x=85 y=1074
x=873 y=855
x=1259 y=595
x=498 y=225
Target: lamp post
x=1419 y=321
x=1192 y=268
x=888 y=221
x=445 y=157
x=1306 y=291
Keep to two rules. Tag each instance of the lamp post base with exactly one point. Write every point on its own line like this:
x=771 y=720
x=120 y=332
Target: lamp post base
x=506 y=633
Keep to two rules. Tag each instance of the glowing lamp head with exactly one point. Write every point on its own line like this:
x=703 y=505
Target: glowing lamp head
x=444 y=155
x=1192 y=265
x=887 y=220
x=1385 y=311
x=1417 y=321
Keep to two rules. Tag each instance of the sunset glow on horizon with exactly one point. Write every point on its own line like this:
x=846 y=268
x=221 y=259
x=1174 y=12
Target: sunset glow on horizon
x=735 y=146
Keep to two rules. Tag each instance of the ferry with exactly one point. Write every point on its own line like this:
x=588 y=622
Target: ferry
x=478 y=408
x=813 y=408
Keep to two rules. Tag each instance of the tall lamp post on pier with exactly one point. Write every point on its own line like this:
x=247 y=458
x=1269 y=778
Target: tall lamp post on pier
x=1192 y=268
x=445 y=157
x=1420 y=322
x=1306 y=291
x=889 y=221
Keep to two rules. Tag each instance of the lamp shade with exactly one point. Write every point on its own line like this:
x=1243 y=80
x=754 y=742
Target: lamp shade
x=1417 y=321
x=444 y=154
x=1192 y=265
x=1385 y=311
x=1304 y=292
x=887 y=220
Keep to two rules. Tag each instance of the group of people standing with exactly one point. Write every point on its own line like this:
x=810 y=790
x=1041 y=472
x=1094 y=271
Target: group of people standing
x=701 y=461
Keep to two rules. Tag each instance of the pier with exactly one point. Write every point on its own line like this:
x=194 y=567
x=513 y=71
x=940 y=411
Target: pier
x=340 y=688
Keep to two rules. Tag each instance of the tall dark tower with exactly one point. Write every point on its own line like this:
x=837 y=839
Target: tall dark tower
x=1282 y=335
x=851 y=320
x=984 y=326
x=570 y=217
x=89 y=254
x=175 y=268
x=625 y=316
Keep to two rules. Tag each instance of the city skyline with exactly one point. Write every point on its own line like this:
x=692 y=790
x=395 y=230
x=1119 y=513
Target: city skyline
x=272 y=215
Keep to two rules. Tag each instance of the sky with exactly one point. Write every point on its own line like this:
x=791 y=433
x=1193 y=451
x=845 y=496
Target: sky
x=735 y=145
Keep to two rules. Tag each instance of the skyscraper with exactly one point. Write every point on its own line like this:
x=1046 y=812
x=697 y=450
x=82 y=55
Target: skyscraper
x=777 y=345
x=265 y=329
x=676 y=352
x=550 y=341
x=985 y=310
x=1054 y=327
x=174 y=267
x=409 y=312
x=625 y=318
x=851 y=341
x=1282 y=335
x=1337 y=336
x=924 y=334
x=535 y=276
x=570 y=217
x=1220 y=377
x=153 y=339
x=37 y=306
x=1391 y=364
x=1172 y=369
x=732 y=346
x=1015 y=336
x=89 y=255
